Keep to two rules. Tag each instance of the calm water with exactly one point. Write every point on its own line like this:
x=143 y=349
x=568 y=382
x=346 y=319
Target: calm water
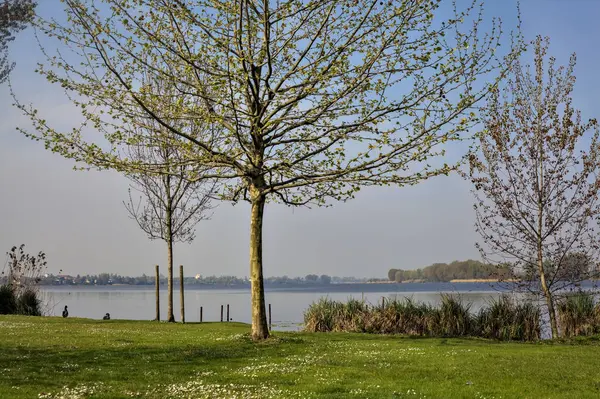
x=288 y=305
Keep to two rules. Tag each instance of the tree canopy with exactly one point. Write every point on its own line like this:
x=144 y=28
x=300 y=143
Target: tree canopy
x=535 y=179
x=308 y=101
x=457 y=270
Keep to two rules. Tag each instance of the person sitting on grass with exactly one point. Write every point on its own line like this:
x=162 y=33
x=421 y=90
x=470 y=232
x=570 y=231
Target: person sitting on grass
x=65 y=312
x=106 y=317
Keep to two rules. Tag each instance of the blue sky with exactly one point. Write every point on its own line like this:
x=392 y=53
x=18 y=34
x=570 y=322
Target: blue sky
x=79 y=220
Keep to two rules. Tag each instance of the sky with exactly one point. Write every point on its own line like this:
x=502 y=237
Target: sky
x=79 y=221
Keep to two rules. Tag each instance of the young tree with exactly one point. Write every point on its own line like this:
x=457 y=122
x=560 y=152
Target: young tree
x=536 y=189
x=170 y=206
x=14 y=17
x=172 y=202
x=309 y=100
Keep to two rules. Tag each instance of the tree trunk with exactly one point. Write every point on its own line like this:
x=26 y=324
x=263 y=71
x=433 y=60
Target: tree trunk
x=260 y=329
x=170 y=316
x=157 y=282
x=181 y=294
x=548 y=295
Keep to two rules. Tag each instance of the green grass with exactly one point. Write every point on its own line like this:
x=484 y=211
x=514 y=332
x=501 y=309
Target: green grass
x=80 y=358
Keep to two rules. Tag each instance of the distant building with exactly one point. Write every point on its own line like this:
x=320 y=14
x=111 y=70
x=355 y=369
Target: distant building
x=198 y=277
x=63 y=279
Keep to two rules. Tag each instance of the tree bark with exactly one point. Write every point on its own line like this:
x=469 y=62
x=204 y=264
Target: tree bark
x=260 y=329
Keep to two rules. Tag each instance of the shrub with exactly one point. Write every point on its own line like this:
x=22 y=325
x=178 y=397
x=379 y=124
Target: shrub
x=8 y=300
x=29 y=304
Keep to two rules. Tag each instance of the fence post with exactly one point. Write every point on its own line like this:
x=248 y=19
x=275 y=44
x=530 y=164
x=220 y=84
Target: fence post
x=269 y=317
x=200 y=314
x=181 y=296
x=221 y=313
x=227 y=312
x=157 y=294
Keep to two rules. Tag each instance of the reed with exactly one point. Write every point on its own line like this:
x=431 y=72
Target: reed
x=578 y=315
x=505 y=320
x=403 y=316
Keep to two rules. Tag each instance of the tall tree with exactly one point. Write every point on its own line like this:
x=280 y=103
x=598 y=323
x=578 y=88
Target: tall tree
x=536 y=180
x=312 y=100
x=174 y=201
x=14 y=16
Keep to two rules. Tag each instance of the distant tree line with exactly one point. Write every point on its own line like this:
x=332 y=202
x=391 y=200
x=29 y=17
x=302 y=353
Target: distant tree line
x=443 y=272
x=116 y=279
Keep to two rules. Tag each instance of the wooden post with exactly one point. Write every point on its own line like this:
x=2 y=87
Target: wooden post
x=221 y=313
x=269 y=317
x=200 y=314
x=157 y=294
x=181 y=297
x=228 y=312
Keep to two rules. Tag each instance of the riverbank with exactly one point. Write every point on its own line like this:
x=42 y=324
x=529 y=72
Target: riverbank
x=77 y=358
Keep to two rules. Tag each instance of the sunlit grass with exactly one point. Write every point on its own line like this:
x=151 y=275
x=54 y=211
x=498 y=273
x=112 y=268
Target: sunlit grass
x=80 y=358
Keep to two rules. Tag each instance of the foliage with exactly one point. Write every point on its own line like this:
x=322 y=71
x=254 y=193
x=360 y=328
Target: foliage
x=218 y=360
x=306 y=102
x=506 y=320
x=15 y=15
x=536 y=182
x=577 y=315
x=464 y=270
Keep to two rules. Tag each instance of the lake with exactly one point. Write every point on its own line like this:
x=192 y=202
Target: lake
x=288 y=303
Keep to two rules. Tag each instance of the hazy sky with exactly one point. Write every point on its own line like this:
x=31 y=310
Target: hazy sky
x=79 y=220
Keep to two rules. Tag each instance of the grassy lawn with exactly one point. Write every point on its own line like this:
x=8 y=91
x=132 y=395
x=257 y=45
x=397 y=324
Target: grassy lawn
x=79 y=358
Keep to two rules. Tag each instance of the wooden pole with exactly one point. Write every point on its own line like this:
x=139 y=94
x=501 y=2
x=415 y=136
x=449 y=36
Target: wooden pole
x=227 y=312
x=157 y=294
x=221 y=313
x=269 y=317
x=181 y=297
x=200 y=314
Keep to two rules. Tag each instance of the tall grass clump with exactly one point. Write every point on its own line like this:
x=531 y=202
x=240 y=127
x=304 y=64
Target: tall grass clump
x=406 y=316
x=578 y=315
x=320 y=316
x=453 y=318
x=506 y=320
